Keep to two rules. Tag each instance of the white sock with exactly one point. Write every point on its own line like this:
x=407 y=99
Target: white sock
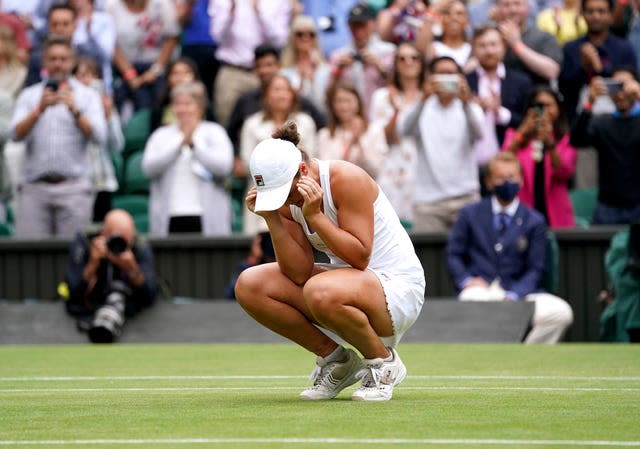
x=337 y=354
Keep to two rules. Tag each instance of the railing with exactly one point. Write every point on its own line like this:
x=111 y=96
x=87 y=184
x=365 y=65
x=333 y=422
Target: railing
x=200 y=268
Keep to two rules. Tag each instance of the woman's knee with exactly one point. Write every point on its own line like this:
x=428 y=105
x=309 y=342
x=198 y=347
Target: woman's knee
x=321 y=299
x=248 y=286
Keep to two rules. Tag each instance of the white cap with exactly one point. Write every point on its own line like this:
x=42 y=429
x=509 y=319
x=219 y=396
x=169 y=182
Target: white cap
x=273 y=165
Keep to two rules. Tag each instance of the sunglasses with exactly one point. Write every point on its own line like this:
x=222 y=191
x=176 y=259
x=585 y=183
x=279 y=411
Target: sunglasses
x=305 y=33
x=407 y=58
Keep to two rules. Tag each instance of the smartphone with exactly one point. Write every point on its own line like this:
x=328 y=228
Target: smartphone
x=52 y=84
x=539 y=107
x=448 y=82
x=613 y=86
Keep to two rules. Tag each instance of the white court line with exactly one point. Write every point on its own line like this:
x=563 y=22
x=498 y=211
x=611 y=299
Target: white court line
x=262 y=388
x=325 y=441
x=276 y=377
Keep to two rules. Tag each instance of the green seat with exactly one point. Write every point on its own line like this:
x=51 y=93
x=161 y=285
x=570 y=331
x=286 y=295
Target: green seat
x=136 y=131
x=118 y=167
x=6 y=230
x=584 y=204
x=135 y=181
x=551 y=276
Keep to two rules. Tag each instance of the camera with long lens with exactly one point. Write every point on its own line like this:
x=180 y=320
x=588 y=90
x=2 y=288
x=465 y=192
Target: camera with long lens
x=109 y=318
x=116 y=244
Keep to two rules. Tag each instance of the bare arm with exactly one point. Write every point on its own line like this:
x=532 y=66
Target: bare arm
x=354 y=193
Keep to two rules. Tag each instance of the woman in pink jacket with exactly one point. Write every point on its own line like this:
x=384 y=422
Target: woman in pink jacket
x=541 y=143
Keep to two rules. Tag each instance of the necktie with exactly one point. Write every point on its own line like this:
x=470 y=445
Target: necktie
x=503 y=222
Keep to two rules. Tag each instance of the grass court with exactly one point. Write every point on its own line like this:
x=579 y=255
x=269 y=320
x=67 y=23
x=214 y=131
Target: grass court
x=245 y=396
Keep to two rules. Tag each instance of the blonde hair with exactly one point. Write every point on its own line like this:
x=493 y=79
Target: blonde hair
x=299 y=23
x=195 y=89
x=8 y=45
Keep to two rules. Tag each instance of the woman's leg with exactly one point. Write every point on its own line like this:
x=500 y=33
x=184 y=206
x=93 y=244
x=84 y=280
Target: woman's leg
x=277 y=303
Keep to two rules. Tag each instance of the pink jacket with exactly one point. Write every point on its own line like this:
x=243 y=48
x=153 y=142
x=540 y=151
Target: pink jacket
x=559 y=207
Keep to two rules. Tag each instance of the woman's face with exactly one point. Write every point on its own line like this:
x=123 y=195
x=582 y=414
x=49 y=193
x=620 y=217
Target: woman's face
x=279 y=96
x=408 y=61
x=304 y=39
x=548 y=102
x=455 y=19
x=186 y=108
x=345 y=105
x=84 y=74
x=180 y=73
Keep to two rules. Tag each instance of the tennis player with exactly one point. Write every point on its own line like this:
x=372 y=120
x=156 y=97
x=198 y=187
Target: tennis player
x=369 y=294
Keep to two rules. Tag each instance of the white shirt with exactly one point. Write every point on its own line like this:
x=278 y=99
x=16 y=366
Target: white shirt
x=185 y=196
x=488 y=145
x=447 y=166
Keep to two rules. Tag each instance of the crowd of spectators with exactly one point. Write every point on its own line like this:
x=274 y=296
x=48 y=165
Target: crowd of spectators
x=420 y=94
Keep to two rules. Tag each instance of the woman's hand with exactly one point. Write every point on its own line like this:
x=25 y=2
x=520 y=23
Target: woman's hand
x=250 y=201
x=311 y=194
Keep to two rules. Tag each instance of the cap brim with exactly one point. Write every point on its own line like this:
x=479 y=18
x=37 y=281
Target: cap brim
x=272 y=199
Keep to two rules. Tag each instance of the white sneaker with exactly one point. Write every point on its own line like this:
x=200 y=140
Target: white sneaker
x=330 y=378
x=379 y=378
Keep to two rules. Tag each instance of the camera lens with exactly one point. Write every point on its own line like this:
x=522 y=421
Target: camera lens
x=116 y=244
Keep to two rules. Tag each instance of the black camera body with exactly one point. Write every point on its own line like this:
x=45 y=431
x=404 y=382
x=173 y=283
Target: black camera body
x=116 y=244
x=52 y=84
x=357 y=56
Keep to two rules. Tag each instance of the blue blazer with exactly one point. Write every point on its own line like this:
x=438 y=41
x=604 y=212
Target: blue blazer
x=514 y=91
x=517 y=258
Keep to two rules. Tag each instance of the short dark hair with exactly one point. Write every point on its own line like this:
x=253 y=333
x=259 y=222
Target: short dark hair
x=56 y=39
x=265 y=50
x=62 y=6
x=583 y=4
x=627 y=69
x=438 y=59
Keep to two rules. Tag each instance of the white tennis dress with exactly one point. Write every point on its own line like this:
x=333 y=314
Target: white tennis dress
x=393 y=258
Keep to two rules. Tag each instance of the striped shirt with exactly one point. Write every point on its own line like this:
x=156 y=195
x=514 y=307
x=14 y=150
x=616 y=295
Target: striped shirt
x=55 y=144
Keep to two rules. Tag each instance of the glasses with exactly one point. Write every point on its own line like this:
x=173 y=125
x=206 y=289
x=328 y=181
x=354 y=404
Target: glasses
x=407 y=58
x=310 y=34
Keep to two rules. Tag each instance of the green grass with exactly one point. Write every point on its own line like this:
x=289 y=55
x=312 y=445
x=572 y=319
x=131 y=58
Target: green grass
x=245 y=396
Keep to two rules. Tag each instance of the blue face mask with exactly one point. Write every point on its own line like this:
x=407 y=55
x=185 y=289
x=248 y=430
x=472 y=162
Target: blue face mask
x=507 y=190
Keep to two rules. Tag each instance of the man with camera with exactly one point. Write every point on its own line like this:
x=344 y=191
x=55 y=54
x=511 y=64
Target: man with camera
x=110 y=276
x=446 y=124
x=57 y=118
x=366 y=60
x=616 y=138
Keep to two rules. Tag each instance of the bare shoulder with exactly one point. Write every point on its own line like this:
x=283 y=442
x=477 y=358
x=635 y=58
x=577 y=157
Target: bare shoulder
x=350 y=182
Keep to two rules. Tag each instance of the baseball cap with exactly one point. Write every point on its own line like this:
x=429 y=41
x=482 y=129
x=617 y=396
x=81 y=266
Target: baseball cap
x=361 y=13
x=273 y=165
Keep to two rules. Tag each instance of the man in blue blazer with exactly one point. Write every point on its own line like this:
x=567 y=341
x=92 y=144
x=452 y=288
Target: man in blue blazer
x=496 y=252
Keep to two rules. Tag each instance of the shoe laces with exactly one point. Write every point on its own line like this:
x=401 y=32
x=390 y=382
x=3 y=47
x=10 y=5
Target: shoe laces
x=371 y=373
x=321 y=374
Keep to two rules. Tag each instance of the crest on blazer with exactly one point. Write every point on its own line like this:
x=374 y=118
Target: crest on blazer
x=522 y=243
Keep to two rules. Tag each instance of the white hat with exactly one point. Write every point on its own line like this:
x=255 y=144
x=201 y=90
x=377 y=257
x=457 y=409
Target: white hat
x=273 y=165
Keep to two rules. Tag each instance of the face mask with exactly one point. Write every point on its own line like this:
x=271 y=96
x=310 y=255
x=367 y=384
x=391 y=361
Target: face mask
x=507 y=190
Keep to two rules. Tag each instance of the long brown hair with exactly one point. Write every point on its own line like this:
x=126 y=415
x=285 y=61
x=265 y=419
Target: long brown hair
x=331 y=95
x=266 y=112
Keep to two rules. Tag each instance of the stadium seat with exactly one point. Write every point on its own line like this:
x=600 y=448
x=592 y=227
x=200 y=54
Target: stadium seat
x=135 y=181
x=551 y=276
x=118 y=167
x=136 y=131
x=584 y=203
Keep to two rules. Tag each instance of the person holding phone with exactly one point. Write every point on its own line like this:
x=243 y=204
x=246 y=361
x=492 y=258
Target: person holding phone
x=616 y=138
x=446 y=123
x=548 y=160
x=57 y=118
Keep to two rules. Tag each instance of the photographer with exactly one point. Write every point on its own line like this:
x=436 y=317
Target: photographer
x=446 y=124
x=541 y=144
x=110 y=276
x=616 y=138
